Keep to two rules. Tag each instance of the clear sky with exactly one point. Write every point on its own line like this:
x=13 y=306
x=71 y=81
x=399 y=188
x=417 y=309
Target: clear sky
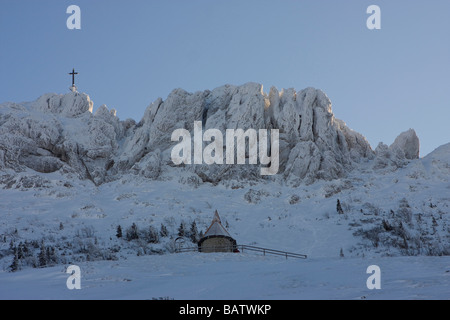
x=129 y=53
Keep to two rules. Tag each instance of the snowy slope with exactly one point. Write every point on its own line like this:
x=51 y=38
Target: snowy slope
x=228 y=277
x=302 y=220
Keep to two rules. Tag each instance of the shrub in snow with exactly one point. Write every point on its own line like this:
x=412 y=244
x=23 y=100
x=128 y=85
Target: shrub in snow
x=132 y=233
x=294 y=199
x=404 y=212
x=152 y=235
x=254 y=196
x=85 y=232
x=403 y=232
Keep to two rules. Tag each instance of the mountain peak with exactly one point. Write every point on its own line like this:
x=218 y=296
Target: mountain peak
x=70 y=105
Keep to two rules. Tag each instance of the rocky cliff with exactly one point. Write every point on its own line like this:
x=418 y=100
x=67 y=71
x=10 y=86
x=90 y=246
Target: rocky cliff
x=61 y=133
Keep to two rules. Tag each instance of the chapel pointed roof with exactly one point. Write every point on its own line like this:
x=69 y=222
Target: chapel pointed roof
x=216 y=228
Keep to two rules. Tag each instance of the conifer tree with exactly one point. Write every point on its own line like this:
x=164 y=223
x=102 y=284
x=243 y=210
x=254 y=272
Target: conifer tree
x=25 y=249
x=119 y=232
x=132 y=232
x=339 y=207
x=42 y=257
x=48 y=254
x=181 y=230
x=15 y=265
x=153 y=236
x=20 y=251
x=163 y=232
x=194 y=232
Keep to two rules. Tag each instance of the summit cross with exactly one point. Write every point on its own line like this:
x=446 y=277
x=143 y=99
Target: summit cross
x=73 y=73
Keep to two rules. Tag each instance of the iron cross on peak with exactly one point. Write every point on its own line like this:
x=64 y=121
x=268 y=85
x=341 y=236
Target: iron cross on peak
x=73 y=73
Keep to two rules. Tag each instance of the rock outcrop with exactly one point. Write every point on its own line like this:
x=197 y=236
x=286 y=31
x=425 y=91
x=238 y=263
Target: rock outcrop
x=408 y=144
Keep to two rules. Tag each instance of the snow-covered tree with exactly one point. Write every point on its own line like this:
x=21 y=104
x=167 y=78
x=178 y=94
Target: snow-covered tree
x=42 y=257
x=51 y=255
x=163 y=231
x=182 y=230
x=20 y=251
x=153 y=236
x=15 y=265
x=132 y=232
x=193 y=234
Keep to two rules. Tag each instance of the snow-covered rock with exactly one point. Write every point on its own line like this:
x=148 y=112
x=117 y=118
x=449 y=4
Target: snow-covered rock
x=70 y=105
x=305 y=116
x=60 y=133
x=407 y=143
x=404 y=149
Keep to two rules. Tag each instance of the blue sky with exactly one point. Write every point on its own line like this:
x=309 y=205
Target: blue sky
x=129 y=53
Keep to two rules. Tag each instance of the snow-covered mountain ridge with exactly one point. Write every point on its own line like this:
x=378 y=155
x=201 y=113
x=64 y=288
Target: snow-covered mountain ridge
x=59 y=133
x=69 y=178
